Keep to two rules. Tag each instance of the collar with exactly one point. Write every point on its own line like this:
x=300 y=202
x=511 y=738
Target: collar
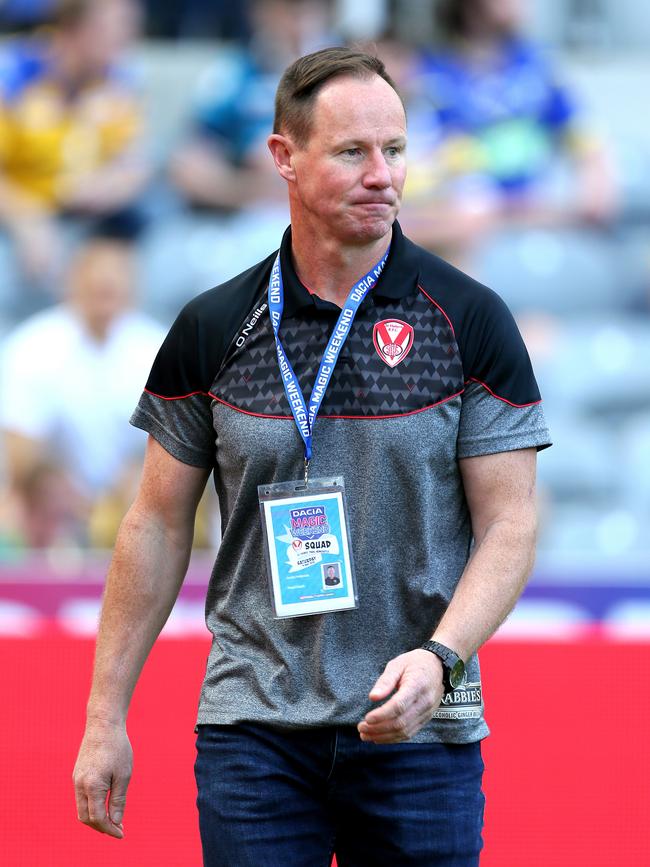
x=399 y=277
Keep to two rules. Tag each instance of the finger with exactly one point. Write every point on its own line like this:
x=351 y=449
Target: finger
x=397 y=726
x=398 y=730
x=386 y=682
x=98 y=817
x=414 y=714
x=82 y=805
x=395 y=732
x=117 y=799
x=396 y=706
x=386 y=739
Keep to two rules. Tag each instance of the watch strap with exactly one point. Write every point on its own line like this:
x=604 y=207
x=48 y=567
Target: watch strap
x=451 y=661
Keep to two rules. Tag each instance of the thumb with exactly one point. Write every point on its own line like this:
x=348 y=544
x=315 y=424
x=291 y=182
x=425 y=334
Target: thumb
x=386 y=682
x=117 y=800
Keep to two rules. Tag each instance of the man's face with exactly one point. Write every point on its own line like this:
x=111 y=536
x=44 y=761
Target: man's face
x=101 y=282
x=502 y=16
x=349 y=176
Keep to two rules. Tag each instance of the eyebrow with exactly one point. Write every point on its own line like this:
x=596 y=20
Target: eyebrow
x=356 y=142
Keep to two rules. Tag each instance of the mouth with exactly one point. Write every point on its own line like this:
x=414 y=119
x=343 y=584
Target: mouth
x=374 y=203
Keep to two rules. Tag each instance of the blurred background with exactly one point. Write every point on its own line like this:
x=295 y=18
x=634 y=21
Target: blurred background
x=134 y=175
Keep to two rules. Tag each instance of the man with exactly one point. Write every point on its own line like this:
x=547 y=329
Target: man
x=432 y=418
x=70 y=130
x=68 y=379
x=499 y=124
x=331 y=577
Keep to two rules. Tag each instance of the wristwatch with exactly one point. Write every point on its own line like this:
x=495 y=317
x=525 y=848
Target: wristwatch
x=453 y=667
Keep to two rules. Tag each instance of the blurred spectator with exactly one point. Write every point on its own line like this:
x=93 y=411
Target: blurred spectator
x=494 y=124
x=69 y=378
x=70 y=128
x=225 y=163
x=202 y=19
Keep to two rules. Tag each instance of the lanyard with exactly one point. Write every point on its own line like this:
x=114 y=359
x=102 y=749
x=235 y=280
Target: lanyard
x=304 y=415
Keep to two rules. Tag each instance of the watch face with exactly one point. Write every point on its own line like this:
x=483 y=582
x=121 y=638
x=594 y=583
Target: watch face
x=457 y=674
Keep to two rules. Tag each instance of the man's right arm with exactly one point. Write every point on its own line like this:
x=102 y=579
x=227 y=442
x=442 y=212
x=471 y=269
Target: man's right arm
x=148 y=566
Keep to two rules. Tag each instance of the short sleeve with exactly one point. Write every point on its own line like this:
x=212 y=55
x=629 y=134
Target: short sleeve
x=501 y=404
x=175 y=405
x=489 y=425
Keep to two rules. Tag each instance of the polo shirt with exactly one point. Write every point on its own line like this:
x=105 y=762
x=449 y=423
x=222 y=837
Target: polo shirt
x=433 y=371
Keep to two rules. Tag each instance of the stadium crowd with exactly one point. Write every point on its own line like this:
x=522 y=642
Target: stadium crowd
x=134 y=174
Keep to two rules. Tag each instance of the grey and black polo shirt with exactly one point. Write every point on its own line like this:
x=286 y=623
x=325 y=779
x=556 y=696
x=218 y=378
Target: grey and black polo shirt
x=434 y=370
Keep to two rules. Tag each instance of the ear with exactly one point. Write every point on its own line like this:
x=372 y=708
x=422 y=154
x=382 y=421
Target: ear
x=282 y=150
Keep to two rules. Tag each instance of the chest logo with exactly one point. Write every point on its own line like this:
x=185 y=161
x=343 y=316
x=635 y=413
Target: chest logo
x=393 y=340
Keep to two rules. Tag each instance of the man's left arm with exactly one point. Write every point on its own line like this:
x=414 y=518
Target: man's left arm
x=500 y=492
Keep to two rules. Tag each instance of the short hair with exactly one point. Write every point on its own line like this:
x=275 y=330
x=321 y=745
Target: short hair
x=303 y=80
x=451 y=17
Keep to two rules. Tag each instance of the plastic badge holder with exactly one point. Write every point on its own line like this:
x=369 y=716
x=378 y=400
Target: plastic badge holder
x=307 y=547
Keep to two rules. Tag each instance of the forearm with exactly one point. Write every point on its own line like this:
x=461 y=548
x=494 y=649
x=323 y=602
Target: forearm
x=111 y=187
x=490 y=584
x=486 y=593
x=144 y=578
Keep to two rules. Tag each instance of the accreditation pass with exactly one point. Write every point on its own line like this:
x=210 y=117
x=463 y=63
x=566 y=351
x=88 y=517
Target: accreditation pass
x=307 y=547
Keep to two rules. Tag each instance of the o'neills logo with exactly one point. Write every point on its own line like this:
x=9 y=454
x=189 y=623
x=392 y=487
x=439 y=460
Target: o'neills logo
x=465 y=702
x=393 y=340
x=246 y=330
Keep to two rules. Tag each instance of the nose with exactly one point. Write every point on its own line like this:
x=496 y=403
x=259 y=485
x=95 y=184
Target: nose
x=377 y=173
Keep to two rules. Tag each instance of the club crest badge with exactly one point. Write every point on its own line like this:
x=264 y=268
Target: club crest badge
x=393 y=340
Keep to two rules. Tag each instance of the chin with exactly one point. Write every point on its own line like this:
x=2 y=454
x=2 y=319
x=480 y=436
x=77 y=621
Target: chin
x=370 y=230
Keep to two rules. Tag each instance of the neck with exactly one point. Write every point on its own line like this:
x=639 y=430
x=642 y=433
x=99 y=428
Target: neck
x=330 y=268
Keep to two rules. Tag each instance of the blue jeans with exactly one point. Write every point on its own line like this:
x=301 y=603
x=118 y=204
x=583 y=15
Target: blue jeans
x=273 y=798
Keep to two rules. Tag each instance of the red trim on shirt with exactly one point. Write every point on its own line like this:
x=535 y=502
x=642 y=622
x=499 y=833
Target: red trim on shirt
x=177 y=397
x=435 y=303
x=358 y=417
x=498 y=397
x=247 y=411
x=398 y=414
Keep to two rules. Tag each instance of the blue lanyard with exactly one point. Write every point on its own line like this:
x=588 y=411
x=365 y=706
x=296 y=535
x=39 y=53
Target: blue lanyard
x=306 y=416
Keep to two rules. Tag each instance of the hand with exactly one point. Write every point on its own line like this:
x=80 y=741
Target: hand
x=103 y=766
x=415 y=679
x=93 y=194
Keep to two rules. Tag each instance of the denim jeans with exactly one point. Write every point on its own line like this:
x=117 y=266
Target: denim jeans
x=278 y=798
